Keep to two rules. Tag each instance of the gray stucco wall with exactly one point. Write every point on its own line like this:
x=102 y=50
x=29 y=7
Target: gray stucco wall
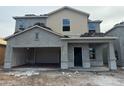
x=27 y=22
x=27 y=39
x=99 y=55
x=96 y=62
x=119 y=43
x=97 y=27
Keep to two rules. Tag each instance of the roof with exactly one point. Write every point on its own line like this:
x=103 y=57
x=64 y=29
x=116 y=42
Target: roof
x=91 y=38
x=95 y=21
x=46 y=15
x=66 y=7
x=35 y=26
x=93 y=35
x=36 y=16
x=2 y=42
x=121 y=24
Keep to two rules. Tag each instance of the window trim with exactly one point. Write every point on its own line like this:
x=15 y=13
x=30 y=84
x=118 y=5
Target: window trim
x=91 y=28
x=93 y=53
x=66 y=25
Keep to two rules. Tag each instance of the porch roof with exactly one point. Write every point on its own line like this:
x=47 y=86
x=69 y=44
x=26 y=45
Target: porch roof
x=89 y=39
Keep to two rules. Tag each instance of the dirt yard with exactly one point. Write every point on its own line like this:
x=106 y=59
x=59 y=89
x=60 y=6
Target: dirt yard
x=61 y=78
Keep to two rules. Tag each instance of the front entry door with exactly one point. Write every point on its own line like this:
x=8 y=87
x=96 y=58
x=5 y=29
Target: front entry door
x=78 y=56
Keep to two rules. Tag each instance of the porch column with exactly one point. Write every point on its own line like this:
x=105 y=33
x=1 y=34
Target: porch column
x=8 y=57
x=99 y=57
x=111 y=57
x=85 y=56
x=64 y=56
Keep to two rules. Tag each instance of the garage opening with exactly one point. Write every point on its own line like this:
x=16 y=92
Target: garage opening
x=37 y=57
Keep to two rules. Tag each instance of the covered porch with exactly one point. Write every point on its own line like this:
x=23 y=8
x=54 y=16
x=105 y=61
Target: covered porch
x=88 y=52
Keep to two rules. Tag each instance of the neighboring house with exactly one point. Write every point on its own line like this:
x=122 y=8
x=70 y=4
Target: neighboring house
x=2 y=51
x=118 y=31
x=65 y=38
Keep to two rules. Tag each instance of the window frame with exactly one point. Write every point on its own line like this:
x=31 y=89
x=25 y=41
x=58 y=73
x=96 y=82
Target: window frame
x=92 y=53
x=66 y=25
x=91 y=27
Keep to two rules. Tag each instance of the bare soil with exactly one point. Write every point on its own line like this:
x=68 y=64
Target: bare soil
x=61 y=78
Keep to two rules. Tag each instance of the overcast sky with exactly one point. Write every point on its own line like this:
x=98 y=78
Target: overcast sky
x=109 y=15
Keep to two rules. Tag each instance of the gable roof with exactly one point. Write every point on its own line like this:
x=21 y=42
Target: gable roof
x=35 y=26
x=66 y=7
x=114 y=27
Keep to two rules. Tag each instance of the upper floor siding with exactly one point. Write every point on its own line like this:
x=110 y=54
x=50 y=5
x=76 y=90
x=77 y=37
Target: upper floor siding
x=78 y=23
x=24 y=23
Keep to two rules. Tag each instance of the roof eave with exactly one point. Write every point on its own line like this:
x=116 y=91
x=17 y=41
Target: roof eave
x=19 y=17
x=91 y=38
x=96 y=21
x=32 y=28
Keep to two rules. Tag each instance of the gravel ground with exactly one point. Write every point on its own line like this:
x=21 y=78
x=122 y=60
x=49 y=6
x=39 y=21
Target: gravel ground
x=61 y=78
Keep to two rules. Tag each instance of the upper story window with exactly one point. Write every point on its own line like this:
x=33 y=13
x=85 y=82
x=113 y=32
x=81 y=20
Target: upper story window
x=92 y=27
x=21 y=27
x=66 y=25
x=39 y=24
x=20 y=24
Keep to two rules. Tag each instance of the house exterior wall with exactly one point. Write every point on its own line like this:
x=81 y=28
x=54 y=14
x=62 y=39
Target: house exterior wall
x=119 y=43
x=2 y=54
x=28 y=39
x=28 y=22
x=78 y=22
x=97 y=27
x=19 y=57
x=15 y=56
x=85 y=47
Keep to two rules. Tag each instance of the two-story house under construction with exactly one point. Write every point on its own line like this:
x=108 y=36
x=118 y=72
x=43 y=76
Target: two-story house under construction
x=65 y=38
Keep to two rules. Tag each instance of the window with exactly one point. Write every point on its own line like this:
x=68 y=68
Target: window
x=92 y=27
x=39 y=24
x=92 y=53
x=66 y=25
x=21 y=27
x=21 y=24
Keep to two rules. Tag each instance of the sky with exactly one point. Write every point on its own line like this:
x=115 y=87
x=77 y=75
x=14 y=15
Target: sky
x=110 y=15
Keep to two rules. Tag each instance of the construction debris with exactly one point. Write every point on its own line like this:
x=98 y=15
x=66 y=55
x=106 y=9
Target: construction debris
x=61 y=78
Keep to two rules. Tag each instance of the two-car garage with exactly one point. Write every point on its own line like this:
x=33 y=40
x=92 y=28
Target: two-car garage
x=37 y=57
